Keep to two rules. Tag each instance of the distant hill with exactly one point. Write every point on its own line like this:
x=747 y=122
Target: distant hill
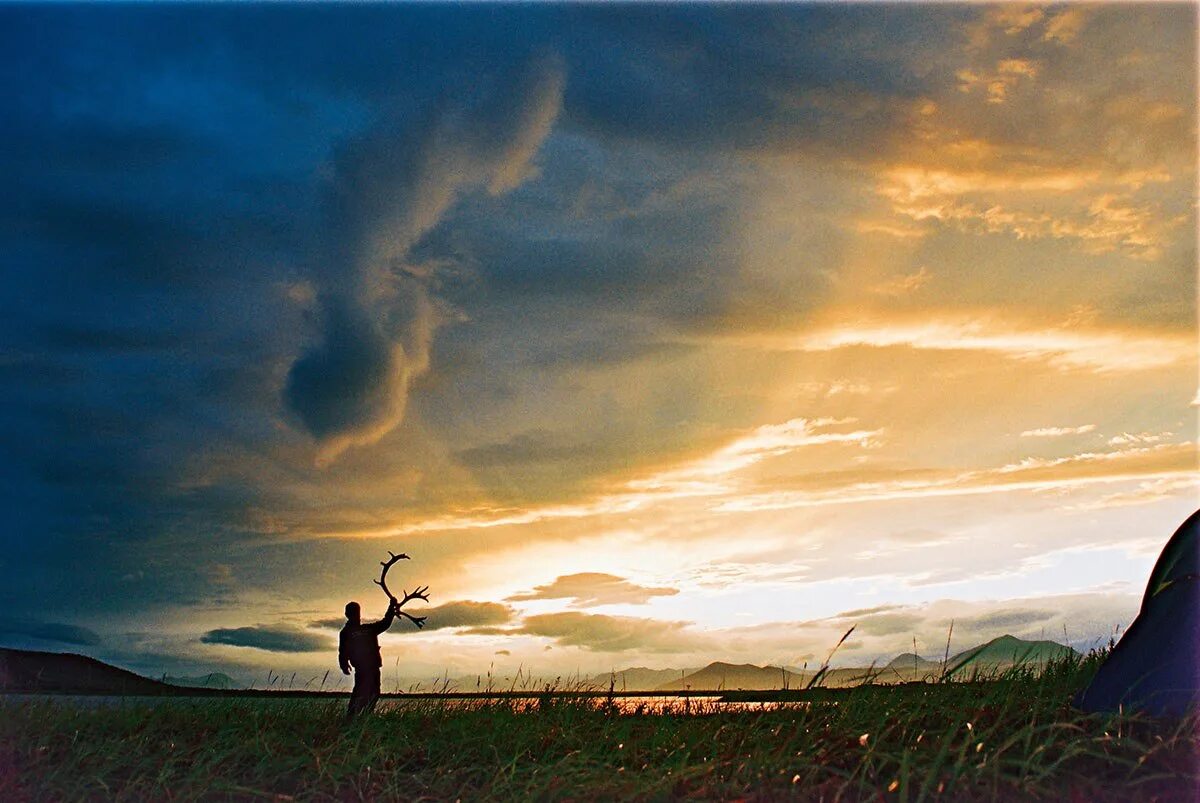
x=637 y=678
x=1007 y=651
x=721 y=675
x=213 y=680
x=911 y=662
x=996 y=654
x=29 y=671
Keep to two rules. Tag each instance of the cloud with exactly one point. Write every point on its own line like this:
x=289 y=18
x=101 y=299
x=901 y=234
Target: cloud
x=1097 y=350
x=534 y=446
x=713 y=475
x=465 y=613
x=769 y=440
x=692 y=81
x=1085 y=620
x=886 y=624
x=489 y=631
x=601 y=633
x=903 y=284
x=1128 y=438
x=352 y=386
x=1012 y=19
x=844 y=387
x=1163 y=461
x=1159 y=458
x=1108 y=222
x=392 y=186
x=1154 y=490
x=709 y=478
x=1088 y=617
x=866 y=611
x=1057 y=432
x=50 y=631
x=999 y=82
x=270 y=638
x=588 y=589
x=1082 y=180
x=1066 y=25
x=1008 y=618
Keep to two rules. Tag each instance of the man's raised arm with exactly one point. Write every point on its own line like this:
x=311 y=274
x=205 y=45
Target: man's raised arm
x=386 y=622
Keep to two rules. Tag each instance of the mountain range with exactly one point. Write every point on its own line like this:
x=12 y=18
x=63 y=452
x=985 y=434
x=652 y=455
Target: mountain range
x=213 y=680
x=28 y=671
x=997 y=654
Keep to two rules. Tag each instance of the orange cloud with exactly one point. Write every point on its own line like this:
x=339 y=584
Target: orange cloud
x=1097 y=350
x=1165 y=461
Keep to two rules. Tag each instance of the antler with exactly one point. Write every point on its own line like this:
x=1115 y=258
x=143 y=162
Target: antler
x=420 y=593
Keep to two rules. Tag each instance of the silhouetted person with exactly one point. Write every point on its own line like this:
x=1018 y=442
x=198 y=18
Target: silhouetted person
x=358 y=647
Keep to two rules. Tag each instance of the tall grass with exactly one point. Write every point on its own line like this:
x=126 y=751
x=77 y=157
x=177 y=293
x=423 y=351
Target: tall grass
x=1013 y=736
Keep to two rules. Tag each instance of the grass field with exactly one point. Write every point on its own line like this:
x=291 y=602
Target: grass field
x=1014 y=738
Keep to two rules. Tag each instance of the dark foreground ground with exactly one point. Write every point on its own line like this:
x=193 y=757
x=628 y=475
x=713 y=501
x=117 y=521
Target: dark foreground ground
x=1013 y=739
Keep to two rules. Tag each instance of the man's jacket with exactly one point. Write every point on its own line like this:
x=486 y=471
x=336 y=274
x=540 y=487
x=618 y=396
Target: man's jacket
x=358 y=645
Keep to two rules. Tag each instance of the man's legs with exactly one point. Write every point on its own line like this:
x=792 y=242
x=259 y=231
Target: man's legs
x=366 y=690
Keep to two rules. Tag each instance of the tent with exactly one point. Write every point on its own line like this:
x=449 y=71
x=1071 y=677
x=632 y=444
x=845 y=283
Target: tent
x=1155 y=667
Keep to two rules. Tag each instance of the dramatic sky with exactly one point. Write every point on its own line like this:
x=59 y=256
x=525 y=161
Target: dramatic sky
x=654 y=334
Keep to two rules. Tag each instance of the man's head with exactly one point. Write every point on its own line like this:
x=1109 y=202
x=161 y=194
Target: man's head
x=353 y=612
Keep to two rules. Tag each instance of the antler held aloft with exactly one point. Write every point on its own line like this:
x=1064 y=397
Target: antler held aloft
x=421 y=592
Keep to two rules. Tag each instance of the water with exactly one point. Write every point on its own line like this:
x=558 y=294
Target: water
x=656 y=704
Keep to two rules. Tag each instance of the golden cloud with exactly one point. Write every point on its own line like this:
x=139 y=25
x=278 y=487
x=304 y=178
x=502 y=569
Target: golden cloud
x=1097 y=350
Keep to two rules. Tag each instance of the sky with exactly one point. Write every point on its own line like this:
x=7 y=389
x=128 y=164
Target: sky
x=654 y=334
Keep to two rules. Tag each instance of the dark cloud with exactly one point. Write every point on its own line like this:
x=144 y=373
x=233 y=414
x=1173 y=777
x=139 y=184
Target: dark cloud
x=534 y=446
x=588 y=589
x=163 y=190
x=1009 y=618
x=333 y=623
x=110 y=339
x=664 y=241
x=879 y=620
x=734 y=77
x=600 y=633
x=50 y=631
x=886 y=624
x=857 y=612
x=271 y=638
x=354 y=380
x=465 y=613
x=392 y=185
x=181 y=189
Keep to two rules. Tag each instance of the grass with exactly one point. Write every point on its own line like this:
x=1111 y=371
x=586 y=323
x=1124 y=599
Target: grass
x=1013 y=737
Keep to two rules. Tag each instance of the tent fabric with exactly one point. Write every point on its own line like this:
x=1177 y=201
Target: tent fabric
x=1180 y=558
x=1155 y=667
